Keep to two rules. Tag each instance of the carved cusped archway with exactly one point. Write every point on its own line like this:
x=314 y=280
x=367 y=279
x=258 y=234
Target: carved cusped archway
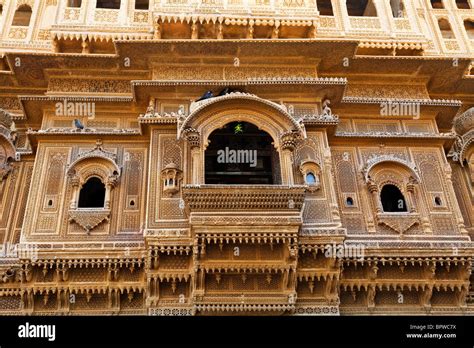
x=393 y=184
x=218 y=112
x=97 y=166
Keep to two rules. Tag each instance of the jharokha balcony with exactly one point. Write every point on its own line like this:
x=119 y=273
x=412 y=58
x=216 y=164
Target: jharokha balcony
x=202 y=198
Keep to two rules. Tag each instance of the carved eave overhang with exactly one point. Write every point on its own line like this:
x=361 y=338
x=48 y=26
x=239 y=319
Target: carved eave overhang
x=108 y=33
x=317 y=274
x=417 y=43
x=42 y=64
x=246 y=267
x=402 y=260
x=34 y=106
x=259 y=237
x=443 y=76
x=444 y=139
x=324 y=52
x=169 y=276
x=176 y=247
x=86 y=252
x=394 y=285
x=444 y=110
x=415 y=250
x=327 y=87
x=229 y=307
x=61 y=133
x=218 y=198
x=113 y=261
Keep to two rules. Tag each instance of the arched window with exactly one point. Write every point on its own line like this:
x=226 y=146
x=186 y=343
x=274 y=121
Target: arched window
x=469 y=26
x=241 y=154
x=325 y=7
x=111 y=4
x=445 y=28
x=359 y=8
x=463 y=4
x=92 y=194
x=22 y=16
x=310 y=179
x=398 y=8
x=437 y=4
x=393 y=200
x=142 y=4
x=74 y=3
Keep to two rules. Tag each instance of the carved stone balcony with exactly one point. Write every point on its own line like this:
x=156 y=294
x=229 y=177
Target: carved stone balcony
x=244 y=197
x=89 y=219
x=399 y=222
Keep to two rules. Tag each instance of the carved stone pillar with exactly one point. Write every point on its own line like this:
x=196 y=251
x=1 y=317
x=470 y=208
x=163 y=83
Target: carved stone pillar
x=75 y=183
x=411 y=194
x=194 y=140
x=452 y=196
x=288 y=145
x=374 y=191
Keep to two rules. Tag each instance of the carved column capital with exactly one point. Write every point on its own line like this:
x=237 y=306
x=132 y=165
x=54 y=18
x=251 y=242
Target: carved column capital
x=288 y=141
x=193 y=137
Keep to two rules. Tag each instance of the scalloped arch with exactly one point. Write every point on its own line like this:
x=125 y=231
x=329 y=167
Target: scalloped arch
x=248 y=102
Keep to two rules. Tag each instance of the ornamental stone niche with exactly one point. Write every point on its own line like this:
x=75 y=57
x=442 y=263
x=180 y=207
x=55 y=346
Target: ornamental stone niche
x=311 y=171
x=171 y=176
x=7 y=147
x=92 y=175
x=392 y=184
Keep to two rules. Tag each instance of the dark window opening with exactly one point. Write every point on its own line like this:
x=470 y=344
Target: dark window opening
x=350 y=202
x=469 y=26
x=398 y=8
x=361 y=8
x=50 y=203
x=437 y=4
x=74 y=3
x=22 y=16
x=445 y=29
x=1 y=9
x=325 y=7
x=438 y=202
x=310 y=179
x=393 y=200
x=463 y=4
x=111 y=4
x=92 y=194
x=132 y=203
x=142 y=4
x=241 y=154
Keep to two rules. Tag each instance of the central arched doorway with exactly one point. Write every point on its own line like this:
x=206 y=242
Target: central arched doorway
x=241 y=154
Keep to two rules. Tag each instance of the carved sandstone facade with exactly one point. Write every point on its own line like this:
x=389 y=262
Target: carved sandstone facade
x=111 y=201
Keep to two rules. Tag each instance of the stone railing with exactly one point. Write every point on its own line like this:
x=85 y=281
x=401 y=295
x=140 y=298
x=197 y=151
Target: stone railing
x=243 y=197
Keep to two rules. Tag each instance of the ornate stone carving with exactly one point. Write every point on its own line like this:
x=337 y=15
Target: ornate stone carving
x=376 y=159
x=400 y=223
x=89 y=219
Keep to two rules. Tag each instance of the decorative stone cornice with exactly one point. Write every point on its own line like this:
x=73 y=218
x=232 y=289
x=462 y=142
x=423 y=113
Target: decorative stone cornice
x=97 y=153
